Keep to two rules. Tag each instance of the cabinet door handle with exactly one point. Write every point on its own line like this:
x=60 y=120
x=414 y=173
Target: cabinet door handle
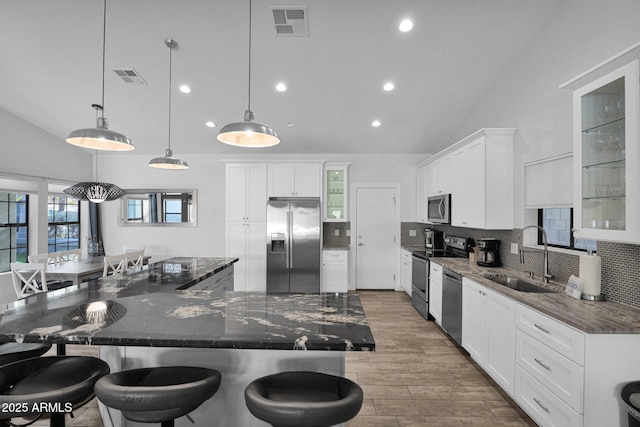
x=546 y=331
x=544 y=408
x=542 y=364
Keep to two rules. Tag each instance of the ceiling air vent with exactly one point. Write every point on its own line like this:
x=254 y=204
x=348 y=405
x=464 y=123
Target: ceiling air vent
x=290 y=21
x=130 y=76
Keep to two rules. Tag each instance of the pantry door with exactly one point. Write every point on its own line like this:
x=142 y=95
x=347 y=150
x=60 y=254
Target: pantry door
x=376 y=235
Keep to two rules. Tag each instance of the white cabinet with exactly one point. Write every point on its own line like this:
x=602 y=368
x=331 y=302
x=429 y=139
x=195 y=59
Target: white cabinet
x=549 y=369
x=422 y=188
x=482 y=187
x=335 y=271
x=406 y=260
x=442 y=175
x=294 y=180
x=336 y=192
x=248 y=242
x=606 y=154
x=246 y=192
x=488 y=331
x=435 y=291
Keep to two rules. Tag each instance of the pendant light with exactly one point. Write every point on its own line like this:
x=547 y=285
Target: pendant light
x=101 y=137
x=168 y=161
x=248 y=133
x=96 y=192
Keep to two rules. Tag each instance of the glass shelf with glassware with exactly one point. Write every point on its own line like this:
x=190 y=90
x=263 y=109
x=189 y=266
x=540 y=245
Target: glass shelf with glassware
x=335 y=200
x=607 y=155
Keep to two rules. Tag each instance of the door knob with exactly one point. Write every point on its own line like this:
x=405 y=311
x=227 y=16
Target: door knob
x=360 y=244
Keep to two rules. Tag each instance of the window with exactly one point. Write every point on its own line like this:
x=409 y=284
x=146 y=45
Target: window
x=14 y=230
x=175 y=207
x=64 y=223
x=134 y=210
x=558 y=223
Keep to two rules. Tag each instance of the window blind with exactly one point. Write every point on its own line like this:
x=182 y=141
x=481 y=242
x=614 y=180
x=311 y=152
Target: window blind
x=548 y=183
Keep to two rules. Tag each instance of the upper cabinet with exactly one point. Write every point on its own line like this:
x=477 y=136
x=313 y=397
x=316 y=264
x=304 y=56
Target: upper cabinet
x=294 y=180
x=335 y=192
x=246 y=192
x=607 y=157
x=422 y=185
x=482 y=187
x=440 y=182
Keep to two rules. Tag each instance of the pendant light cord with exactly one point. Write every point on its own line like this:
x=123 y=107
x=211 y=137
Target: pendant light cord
x=249 y=85
x=104 y=44
x=170 y=62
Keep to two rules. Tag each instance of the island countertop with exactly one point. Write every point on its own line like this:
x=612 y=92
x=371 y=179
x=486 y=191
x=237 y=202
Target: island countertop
x=146 y=309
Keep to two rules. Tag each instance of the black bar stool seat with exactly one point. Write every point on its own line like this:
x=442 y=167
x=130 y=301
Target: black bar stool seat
x=12 y=351
x=311 y=399
x=52 y=385
x=158 y=395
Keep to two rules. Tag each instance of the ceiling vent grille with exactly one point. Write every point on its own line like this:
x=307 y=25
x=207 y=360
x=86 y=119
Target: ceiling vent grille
x=290 y=21
x=130 y=76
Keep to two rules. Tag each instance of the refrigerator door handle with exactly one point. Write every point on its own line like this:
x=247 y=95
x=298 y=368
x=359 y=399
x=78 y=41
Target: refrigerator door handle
x=290 y=229
x=287 y=250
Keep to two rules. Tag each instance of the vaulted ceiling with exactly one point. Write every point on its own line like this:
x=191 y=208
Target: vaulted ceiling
x=51 y=69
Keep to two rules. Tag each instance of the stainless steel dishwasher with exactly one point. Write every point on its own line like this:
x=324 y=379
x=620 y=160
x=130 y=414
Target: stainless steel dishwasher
x=452 y=304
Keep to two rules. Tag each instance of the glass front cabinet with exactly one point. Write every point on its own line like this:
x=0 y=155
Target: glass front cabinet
x=335 y=187
x=607 y=157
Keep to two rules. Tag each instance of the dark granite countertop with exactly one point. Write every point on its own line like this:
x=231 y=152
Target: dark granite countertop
x=146 y=309
x=592 y=317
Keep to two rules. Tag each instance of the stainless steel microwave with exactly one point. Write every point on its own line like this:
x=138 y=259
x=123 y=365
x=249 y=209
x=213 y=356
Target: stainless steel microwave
x=439 y=209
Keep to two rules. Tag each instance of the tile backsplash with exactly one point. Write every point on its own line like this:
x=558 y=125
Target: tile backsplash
x=620 y=262
x=329 y=231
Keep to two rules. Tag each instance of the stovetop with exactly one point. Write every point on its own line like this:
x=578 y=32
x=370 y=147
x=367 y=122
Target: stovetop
x=454 y=247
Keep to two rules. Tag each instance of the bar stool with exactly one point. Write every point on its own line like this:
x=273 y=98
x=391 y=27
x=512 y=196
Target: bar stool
x=48 y=385
x=12 y=351
x=312 y=399
x=158 y=395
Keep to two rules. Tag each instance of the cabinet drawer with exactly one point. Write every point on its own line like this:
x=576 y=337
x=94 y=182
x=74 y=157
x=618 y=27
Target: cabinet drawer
x=405 y=255
x=544 y=407
x=435 y=269
x=334 y=255
x=560 y=337
x=559 y=374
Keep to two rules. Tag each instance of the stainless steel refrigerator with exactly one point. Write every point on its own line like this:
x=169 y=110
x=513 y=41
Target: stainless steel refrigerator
x=293 y=245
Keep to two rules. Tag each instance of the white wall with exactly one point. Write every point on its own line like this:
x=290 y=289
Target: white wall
x=580 y=35
x=207 y=175
x=29 y=150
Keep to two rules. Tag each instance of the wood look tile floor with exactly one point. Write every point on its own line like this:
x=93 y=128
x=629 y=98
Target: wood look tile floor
x=416 y=377
x=419 y=377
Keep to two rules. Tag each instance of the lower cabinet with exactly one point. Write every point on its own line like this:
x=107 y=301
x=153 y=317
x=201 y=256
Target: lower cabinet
x=405 y=270
x=221 y=281
x=559 y=375
x=488 y=331
x=435 y=291
x=335 y=271
x=248 y=241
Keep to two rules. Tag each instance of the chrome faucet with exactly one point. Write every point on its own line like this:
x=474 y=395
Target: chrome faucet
x=545 y=269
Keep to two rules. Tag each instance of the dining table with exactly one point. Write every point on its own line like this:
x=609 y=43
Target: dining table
x=79 y=271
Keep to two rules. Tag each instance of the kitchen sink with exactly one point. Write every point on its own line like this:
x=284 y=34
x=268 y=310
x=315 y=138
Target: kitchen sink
x=517 y=283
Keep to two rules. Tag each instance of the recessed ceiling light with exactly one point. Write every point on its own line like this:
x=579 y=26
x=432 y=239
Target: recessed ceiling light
x=376 y=123
x=185 y=89
x=281 y=87
x=405 y=25
x=211 y=124
x=388 y=86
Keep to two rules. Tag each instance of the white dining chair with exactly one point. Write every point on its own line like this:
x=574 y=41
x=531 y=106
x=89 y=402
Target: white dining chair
x=70 y=255
x=114 y=264
x=49 y=258
x=135 y=259
x=28 y=278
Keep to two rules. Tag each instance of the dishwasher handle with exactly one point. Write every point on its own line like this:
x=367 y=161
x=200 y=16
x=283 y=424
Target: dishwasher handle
x=456 y=278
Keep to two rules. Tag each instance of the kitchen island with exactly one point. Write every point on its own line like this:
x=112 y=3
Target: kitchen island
x=147 y=319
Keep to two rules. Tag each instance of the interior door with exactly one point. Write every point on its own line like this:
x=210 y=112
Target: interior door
x=376 y=226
